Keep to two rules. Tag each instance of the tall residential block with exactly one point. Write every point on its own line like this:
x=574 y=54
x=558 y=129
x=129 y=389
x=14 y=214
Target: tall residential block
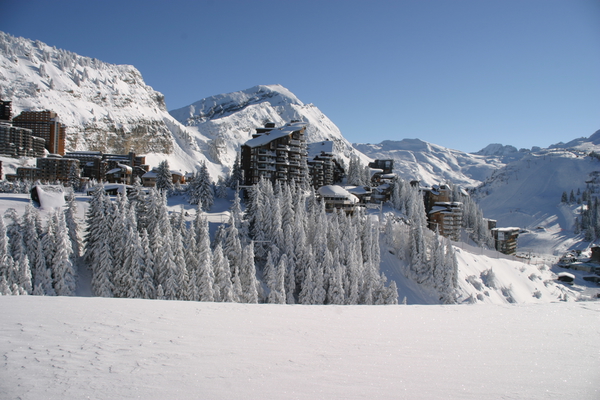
x=44 y=124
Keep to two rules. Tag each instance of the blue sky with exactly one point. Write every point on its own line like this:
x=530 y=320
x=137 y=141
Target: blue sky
x=461 y=74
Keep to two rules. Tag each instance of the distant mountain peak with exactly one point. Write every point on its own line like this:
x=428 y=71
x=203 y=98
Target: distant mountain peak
x=228 y=103
x=497 y=149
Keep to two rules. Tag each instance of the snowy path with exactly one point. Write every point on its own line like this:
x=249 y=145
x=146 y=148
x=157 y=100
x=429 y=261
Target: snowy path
x=73 y=348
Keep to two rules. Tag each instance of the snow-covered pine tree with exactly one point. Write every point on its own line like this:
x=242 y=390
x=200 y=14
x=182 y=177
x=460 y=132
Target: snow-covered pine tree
x=336 y=294
x=4 y=251
x=248 y=276
x=277 y=281
x=181 y=272
x=237 y=176
x=73 y=178
x=232 y=247
x=73 y=225
x=64 y=273
x=14 y=231
x=221 y=188
x=223 y=284
x=42 y=274
x=24 y=274
x=147 y=286
x=164 y=179
x=205 y=187
x=290 y=284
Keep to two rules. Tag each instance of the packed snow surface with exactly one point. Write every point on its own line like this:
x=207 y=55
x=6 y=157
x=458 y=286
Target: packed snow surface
x=73 y=348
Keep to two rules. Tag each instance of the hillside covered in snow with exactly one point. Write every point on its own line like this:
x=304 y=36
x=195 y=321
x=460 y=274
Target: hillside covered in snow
x=431 y=164
x=230 y=119
x=105 y=107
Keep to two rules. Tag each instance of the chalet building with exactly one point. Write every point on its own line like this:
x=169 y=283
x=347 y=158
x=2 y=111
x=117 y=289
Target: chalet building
x=506 y=239
x=336 y=197
x=323 y=167
x=446 y=218
x=275 y=154
x=381 y=193
x=19 y=142
x=44 y=124
x=48 y=169
x=386 y=166
x=121 y=174
x=99 y=166
x=382 y=171
x=362 y=193
x=149 y=178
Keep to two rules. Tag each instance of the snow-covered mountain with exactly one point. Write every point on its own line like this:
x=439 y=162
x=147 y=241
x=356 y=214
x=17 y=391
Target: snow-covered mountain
x=433 y=164
x=527 y=193
x=105 y=107
x=229 y=120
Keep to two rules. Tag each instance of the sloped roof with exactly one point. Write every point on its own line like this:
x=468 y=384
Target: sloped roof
x=336 y=191
x=275 y=134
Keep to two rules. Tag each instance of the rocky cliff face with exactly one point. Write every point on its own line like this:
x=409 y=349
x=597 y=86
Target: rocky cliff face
x=105 y=107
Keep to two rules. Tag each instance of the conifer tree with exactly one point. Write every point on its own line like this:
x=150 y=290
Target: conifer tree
x=4 y=251
x=64 y=272
x=248 y=276
x=147 y=287
x=24 y=274
x=164 y=179
x=237 y=175
x=223 y=285
x=4 y=286
x=221 y=188
x=336 y=294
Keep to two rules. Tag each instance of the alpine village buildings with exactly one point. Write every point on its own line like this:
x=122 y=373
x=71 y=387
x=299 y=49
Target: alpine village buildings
x=277 y=154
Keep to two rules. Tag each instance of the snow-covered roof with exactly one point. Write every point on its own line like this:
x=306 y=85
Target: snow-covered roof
x=336 y=191
x=149 y=174
x=50 y=196
x=357 y=189
x=126 y=168
x=388 y=176
x=567 y=274
x=178 y=173
x=509 y=229
x=314 y=149
x=275 y=134
x=114 y=171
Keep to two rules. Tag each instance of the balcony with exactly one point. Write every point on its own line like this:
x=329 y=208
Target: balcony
x=264 y=152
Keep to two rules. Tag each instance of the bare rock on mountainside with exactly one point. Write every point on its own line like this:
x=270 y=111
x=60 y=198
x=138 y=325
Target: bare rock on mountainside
x=105 y=107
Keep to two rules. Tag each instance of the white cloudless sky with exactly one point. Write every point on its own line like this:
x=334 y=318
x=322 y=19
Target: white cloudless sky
x=461 y=74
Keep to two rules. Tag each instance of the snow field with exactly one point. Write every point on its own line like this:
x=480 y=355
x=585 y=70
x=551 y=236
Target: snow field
x=59 y=347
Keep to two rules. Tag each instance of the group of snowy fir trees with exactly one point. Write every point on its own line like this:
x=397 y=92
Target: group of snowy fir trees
x=588 y=221
x=38 y=258
x=428 y=257
x=283 y=249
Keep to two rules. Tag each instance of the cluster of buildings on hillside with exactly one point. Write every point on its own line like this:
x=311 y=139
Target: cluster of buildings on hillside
x=278 y=154
x=41 y=135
